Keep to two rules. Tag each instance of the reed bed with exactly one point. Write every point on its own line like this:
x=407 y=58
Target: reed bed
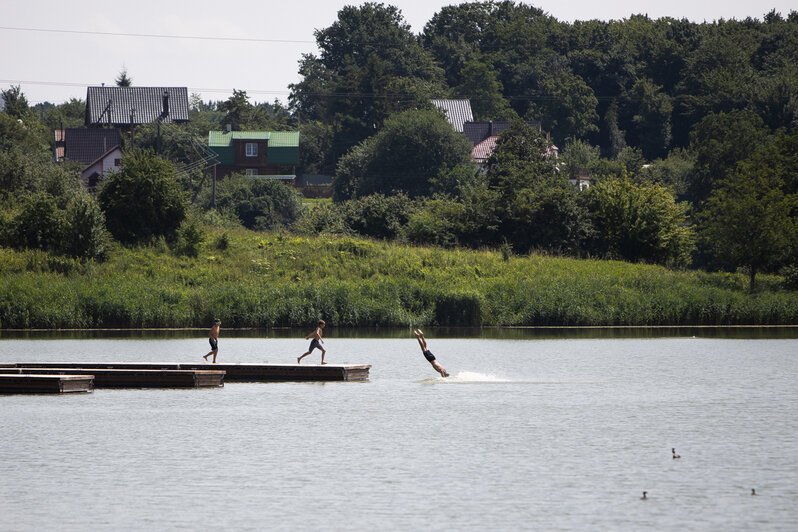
x=265 y=280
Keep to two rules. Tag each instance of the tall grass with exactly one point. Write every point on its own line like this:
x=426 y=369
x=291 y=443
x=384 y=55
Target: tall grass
x=263 y=280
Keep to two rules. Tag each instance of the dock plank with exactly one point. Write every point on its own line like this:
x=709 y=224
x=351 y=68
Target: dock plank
x=133 y=378
x=233 y=372
x=34 y=384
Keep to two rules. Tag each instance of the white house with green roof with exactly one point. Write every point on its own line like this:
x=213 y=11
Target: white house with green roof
x=260 y=154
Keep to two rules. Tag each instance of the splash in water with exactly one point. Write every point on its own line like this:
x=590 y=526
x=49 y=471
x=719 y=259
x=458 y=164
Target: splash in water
x=473 y=376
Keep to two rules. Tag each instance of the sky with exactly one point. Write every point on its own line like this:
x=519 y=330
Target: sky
x=249 y=45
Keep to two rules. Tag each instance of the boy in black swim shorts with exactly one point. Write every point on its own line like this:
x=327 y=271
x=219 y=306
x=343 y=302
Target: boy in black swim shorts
x=213 y=339
x=315 y=343
x=428 y=354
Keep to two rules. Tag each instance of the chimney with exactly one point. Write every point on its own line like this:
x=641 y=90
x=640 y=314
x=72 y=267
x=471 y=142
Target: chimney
x=165 y=103
x=229 y=128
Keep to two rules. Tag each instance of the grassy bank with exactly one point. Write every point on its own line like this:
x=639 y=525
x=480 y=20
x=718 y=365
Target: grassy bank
x=263 y=280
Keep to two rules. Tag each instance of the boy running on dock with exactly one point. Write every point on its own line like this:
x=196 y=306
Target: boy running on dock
x=315 y=343
x=213 y=339
x=428 y=354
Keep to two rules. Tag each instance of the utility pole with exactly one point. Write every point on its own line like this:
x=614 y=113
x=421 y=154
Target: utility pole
x=213 y=188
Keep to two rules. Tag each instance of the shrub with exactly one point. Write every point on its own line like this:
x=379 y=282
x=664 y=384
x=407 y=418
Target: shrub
x=40 y=224
x=378 y=216
x=189 y=238
x=143 y=199
x=86 y=235
x=259 y=203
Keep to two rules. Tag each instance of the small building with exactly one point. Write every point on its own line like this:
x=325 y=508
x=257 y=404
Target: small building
x=580 y=179
x=106 y=163
x=259 y=154
x=126 y=107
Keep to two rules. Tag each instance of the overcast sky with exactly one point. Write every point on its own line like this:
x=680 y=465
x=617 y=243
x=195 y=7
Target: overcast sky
x=58 y=65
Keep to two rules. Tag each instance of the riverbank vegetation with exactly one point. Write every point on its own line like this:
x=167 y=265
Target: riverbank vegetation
x=252 y=279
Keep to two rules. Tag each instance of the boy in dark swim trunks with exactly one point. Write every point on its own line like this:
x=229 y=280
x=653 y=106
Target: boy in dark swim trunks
x=428 y=354
x=213 y=339
x=315 y=343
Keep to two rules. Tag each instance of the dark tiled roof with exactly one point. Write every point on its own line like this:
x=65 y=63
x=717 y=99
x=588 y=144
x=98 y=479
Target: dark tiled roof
x=147 y=104
x=476 y=132
x=457 y=112
x=85 y=145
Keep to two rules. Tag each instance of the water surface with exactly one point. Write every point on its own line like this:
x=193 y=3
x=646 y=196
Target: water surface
x=545 y=433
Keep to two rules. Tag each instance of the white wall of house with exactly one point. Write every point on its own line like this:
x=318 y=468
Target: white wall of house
x=109 y=163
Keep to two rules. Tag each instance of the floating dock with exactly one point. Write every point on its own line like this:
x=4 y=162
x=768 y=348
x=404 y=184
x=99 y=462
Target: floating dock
x=25 y=383
x=131 y=378
x=233 y=372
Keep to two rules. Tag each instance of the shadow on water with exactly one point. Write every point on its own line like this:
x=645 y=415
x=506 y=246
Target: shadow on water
x=489 y=333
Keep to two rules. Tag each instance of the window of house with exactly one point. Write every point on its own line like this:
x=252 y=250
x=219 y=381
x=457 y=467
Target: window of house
x=252 y=149
x=117 y=162
x=251 y=171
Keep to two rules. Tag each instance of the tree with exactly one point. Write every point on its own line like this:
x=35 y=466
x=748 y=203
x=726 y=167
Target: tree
x=635 y=222
x=122 y=80
x=143 y=200
x=481 y=87
x=750 y=218
x=411 y=150
x=719 y=141
x=16 y=105
x=370 y=66
x=567 y=106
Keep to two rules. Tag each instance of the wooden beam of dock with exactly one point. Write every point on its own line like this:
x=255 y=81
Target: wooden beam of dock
x=233 y=372
x=133 y=378
x=26 y=383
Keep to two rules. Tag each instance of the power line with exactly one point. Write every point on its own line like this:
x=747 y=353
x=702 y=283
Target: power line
x=160 y=36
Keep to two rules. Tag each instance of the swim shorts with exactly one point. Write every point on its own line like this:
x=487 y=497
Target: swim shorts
x=314 y=344
x=214 y=344
x=429 y=356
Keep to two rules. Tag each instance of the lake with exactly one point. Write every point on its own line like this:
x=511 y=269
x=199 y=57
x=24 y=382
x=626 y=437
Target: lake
x=537 y=429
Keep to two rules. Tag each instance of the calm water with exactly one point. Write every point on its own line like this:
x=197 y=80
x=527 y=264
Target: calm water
x=531 y=433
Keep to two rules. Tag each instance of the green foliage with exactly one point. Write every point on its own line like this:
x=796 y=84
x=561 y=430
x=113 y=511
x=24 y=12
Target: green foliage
x=377 y=216
x=143 y=200
x=719 y=141
x=40 y=224
x=370 y=66
x=639 y=222
x=484 y=91
x=190 y=236
x=750 y=219
x=258 y=203
x=411 y=150
x=324 y=218
x=436 y=223
x=291 y=281
x=123 y=80
x=86 y=236
x=15 y=104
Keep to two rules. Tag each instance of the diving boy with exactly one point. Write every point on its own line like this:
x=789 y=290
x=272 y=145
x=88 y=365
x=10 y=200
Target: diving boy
x=428 y=354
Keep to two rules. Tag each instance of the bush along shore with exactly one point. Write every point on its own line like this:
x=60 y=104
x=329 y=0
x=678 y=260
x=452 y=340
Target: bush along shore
x=263 y=280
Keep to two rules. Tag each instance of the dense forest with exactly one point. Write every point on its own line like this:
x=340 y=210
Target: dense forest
x=688 y=131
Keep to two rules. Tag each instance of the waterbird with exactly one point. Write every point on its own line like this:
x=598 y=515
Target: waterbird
x=673 y=452
x=753 y=491
x=644 y=498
